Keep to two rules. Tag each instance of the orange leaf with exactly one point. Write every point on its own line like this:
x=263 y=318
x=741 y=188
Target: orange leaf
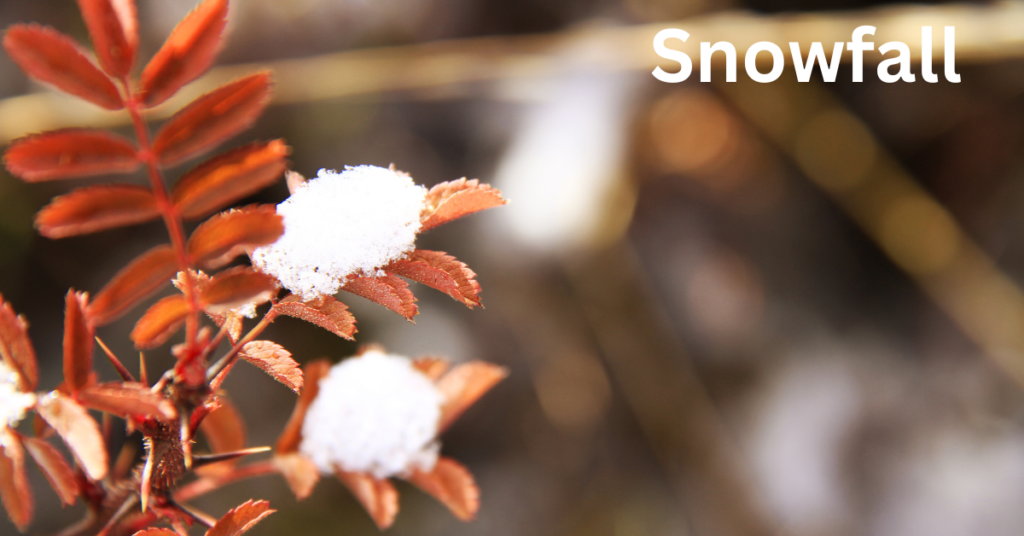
x=389 y=291
x=453 y=485
x=114 y=32
x=233 y=321
x=127 y=399
x=324 y=311
x=78 y=341
x=212 y=119
x=78 y=429
x=299 y=471
x=224 y=432
x=156 y=531
x=241 y=518
x=291 y=436
x=52 y=57
x=236 y=287
x=96 y=208
x=464 y=385
x=273 y=359
x=187 y=53
x=440 y=271
x=16 y=348
x=55 y=469
x=229 y=234
x=163 y=319
x=14 y=489
x=449 y=201
x=432 y=367
x=228 y=177
x=142 y=277
x=377 y=496
x=69 y=153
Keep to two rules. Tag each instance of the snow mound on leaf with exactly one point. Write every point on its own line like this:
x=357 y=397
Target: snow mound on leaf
x=13 y=402
x=343 y=224
x=376 y=414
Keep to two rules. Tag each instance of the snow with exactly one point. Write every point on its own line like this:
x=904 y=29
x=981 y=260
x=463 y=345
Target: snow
x=340 y=225
x=374 y=413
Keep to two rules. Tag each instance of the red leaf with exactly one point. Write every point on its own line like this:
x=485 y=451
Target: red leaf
x=389 y=291
x=14 y=489
x=432 y=367
x=96 y=208
x=449 y=201
x=324 y=311
x=377 y=496
x=453 y=485
x=52 y=57
x=69 y=153
x=78 y=341
x=126 y=399
x=78 y=429
x=142 y=277
x=16 y=348
x=114 y=33
x=273 y=359
x=464 y=385
x=224 y=432
x=440 y=271
x=299 y=471
x=211 y=119
x=291 y=436
x=160 y=531
x=228 y=177
x=229 y=234
x=236 y=287
x=56 y=470
x=187 y=53
x=241 y=518
x=163 y=319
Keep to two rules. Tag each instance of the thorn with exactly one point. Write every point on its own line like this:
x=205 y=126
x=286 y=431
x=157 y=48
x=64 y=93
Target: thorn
x=143 y=377
x=186 y=439
x=147 y=475
x=179 y=528
x=206 y=459
x=159 y=385
x=121 y=370
x=202 y=517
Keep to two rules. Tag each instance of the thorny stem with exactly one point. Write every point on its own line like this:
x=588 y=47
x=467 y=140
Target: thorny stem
x=171 y=217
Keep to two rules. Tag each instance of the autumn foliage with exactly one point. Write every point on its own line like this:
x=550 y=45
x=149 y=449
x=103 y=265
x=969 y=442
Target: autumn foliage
x=184 y=401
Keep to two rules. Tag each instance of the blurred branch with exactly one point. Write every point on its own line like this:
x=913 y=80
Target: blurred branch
x=839 y=154
x=665 y=394
x=984 y=33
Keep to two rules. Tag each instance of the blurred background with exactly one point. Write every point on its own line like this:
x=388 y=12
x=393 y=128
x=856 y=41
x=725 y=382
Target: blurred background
x=727 y=309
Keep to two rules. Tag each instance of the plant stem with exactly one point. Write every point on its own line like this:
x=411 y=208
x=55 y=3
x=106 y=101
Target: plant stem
x=215 y=375
x=172 y=220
